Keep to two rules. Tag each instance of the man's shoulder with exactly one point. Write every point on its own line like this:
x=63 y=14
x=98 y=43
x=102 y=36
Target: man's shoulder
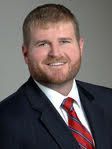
x=97 y=91
x=93 y=87
x=13 y=100
x=21 y=98
x=15 y=110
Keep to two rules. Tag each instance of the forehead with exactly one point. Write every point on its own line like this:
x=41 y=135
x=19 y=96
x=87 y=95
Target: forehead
x=50 y=28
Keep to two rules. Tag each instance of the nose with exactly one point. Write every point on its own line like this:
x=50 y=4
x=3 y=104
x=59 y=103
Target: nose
x=55 y=50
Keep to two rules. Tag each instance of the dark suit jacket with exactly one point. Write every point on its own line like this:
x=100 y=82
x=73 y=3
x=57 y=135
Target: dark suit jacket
x=29 y=121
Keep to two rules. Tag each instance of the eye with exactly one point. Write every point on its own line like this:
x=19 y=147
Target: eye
x=42 y=44
x=65 y=41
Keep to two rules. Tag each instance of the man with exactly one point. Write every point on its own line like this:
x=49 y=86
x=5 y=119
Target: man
x=37 y=115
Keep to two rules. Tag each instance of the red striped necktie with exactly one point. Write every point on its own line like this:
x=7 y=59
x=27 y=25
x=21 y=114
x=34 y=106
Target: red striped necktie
x=80 y=133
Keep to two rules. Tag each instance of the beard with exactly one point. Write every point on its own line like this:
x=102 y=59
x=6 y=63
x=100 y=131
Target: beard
x=46 y=75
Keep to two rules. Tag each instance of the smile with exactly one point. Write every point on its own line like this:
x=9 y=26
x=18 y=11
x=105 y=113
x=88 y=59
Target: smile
x=57 y=64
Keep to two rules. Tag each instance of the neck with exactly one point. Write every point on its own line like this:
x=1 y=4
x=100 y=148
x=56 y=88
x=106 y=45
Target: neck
x=63 y=89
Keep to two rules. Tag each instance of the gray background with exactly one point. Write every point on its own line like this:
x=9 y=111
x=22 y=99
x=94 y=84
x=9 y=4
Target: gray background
x=95 y=19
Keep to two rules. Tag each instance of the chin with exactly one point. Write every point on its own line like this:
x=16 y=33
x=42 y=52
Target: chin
x=56 y=80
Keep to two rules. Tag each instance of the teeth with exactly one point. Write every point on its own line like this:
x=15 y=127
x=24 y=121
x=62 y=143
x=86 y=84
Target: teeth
x=56 y=64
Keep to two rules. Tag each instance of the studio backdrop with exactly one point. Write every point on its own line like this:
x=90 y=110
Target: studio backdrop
x=95 y=19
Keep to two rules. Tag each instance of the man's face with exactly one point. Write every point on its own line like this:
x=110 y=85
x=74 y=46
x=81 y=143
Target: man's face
x=54 y=54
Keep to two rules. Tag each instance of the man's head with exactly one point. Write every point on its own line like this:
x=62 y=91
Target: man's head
x=52 y=47
x=45 y=15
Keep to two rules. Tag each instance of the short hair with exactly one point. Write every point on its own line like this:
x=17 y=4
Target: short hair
x=45 y=14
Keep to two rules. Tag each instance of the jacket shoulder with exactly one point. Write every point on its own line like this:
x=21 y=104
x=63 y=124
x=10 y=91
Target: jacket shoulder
x=102 y=95
x=12 y=101
x=93 y=87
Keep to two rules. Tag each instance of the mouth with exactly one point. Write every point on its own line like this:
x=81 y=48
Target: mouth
x=57 y=64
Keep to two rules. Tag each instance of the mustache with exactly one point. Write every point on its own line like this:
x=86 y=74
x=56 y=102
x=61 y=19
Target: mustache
x=51 y=60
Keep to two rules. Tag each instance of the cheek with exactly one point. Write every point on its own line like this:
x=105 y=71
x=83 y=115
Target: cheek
x=74 y=55
x=37 y=56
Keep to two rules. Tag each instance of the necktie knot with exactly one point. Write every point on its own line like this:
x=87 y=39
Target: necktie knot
x=68 y=104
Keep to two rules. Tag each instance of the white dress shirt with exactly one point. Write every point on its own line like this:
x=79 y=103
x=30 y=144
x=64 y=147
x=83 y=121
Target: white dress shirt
x=57 y=99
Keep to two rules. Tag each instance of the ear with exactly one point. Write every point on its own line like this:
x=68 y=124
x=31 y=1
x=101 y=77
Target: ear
x=81 y=45
x=25 y=53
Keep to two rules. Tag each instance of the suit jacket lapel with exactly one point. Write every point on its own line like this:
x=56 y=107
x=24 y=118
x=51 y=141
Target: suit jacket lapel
x=96 y=119
x=58 y=129
x=50 y=117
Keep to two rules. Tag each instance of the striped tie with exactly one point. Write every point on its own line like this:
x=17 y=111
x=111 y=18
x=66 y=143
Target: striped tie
x=80 y=133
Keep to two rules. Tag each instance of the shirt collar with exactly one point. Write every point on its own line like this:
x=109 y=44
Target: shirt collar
x=57 y=98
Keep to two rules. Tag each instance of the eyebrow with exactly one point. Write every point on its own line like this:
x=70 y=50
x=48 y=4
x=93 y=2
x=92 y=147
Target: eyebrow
x=65 y=38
